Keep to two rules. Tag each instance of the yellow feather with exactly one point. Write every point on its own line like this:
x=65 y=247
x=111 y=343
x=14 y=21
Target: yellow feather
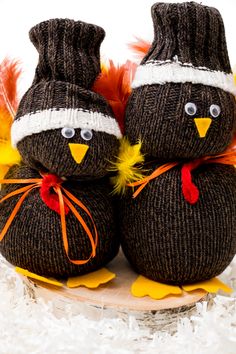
x=104 y=67
x=3 y=171
x=8 y=157
x=5 y=123
x=125 y=166
x=234 y=73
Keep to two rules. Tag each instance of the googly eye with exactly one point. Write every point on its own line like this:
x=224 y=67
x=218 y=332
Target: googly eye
x=68 y=132
x=86 y=134
x=215 y=110
x=190 y=108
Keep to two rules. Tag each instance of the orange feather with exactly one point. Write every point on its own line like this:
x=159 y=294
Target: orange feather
x=5 y=124
x=232 y=146
x=140 y=47
x=9 y=74
x=114 y=84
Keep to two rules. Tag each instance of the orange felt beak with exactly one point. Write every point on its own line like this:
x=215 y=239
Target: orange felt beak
x=78 y=151
x=202 y=124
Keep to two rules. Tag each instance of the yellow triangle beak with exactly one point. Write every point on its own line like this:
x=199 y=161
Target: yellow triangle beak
x=202 y=124
x=78 y=151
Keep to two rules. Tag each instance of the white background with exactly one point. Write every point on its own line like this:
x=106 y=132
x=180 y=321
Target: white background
x=122 y=20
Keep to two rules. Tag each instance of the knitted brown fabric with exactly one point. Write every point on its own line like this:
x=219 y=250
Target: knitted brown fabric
x=68 y=51
x=59 y=94
x=168 y=240
x=69 y=63
x=167 y=131
x=34 y=240
x=49 y=152
x=163 y=236
x=58 y=113
x=193 y=32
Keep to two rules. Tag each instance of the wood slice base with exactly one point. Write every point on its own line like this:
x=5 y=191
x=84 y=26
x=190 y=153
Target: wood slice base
x=115 y=300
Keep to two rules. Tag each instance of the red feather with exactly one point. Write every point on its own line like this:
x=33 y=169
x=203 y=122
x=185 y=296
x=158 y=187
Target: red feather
x=140 y=47
x=114 y=83
x=9 y=74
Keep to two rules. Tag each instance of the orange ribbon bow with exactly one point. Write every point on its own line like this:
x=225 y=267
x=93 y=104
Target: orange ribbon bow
x=62 y=206
x=189 y=189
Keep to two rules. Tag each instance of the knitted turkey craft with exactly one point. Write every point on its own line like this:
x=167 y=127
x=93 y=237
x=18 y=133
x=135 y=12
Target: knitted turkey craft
x=66 y=135
x=180 y=227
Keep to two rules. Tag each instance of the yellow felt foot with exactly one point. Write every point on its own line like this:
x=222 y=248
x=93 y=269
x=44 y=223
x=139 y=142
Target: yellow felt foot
x=38 y=277
x=91 y=280
x=146 y=287
x=211 y=286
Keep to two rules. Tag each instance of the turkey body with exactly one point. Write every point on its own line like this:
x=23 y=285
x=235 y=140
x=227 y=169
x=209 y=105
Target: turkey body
x=168 y=240
x=34 y=239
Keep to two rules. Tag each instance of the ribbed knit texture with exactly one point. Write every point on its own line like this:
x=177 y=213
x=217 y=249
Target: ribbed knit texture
x=69 y=63
x=68 y=51
x=34 y=240
x=59 y=94
x=49 y=151
x=168 y=240
x=156 y=114
x=193 y=32
x=164 y=237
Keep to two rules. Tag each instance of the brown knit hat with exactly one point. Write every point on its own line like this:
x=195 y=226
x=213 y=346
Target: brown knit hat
x=189 y=46
x=60 y=104
x=185 y=76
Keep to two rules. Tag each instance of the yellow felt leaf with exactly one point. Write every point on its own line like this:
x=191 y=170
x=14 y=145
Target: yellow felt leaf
x=146 y=287
x=91 y=280
x=26 y=273
x=211 y=286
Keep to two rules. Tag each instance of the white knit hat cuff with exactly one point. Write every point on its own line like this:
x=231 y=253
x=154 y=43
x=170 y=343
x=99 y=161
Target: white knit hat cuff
x=162 y=72
x=50 y=119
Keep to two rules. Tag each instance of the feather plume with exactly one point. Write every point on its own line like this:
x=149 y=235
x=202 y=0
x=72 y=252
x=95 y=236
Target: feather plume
x=114 y=84
x=232 y=146
x=8 y=155
x=128 y=166
x=9 y=74
x=5 y=124
x=140 y=47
